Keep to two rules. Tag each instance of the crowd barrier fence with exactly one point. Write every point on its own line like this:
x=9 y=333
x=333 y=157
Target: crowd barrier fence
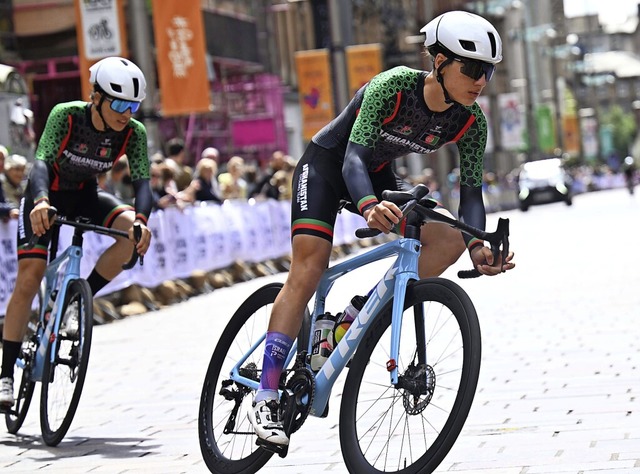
x=196 y=238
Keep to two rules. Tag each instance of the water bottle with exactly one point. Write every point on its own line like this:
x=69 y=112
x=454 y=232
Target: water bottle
x=49 y=309
x=322 y=340
x=345 y=318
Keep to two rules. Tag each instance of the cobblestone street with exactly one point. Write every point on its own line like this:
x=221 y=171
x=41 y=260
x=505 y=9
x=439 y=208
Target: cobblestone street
x=558 y=390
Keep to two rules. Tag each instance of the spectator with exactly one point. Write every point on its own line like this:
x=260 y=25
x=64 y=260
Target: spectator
x=267 y=187
x=13 y=179
x=213 y=154
x=176 y=155
x=157 y=157
x=202 y=188
x=118 y=181
x=163 y=195
x=232 y=183
x=7 y=210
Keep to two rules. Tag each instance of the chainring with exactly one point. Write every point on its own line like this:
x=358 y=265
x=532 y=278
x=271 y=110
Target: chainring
x=297 y=399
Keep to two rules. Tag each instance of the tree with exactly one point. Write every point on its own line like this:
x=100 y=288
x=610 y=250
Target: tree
x=623 y=127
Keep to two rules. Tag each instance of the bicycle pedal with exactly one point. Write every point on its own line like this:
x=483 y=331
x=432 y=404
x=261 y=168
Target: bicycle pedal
x=280 y=449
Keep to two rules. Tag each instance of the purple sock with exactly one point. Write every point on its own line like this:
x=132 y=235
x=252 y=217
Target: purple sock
x=276 y=350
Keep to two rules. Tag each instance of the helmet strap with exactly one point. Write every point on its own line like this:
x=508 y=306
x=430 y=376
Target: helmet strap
x=440 y=79
x=99 y=110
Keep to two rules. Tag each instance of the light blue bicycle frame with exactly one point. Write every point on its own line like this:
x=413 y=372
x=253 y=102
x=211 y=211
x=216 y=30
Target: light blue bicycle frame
x=72 y=256
x=393 y=284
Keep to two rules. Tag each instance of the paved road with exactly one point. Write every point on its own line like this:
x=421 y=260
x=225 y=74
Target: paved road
x=558 y=393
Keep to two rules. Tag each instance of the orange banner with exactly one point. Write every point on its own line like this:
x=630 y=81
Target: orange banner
x=571 y=131
x=363 y=62
x=100 y=34
x=182 y=64
x=315 y=91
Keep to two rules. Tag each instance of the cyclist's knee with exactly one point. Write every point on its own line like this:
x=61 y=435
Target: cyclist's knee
x=124 y=221
x=30 y=271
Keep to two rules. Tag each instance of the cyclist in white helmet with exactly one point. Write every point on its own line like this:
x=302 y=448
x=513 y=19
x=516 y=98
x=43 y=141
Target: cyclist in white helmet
x=80 y=141
x=399 y=111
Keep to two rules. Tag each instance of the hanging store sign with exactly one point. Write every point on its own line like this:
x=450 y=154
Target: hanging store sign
x=182 y=63
x=99 y=33
x=512 y=121
x=315 y=90
x=363 y=62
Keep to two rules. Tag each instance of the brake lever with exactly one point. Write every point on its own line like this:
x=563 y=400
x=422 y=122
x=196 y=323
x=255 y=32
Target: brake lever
x=51 y=213
x=499 y=241
x=137 y=235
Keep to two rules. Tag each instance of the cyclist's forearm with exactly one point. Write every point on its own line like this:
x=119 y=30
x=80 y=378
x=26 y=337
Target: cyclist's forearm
x=39 y=181
x=356 y=177
x=143 y=199
x=472 y=212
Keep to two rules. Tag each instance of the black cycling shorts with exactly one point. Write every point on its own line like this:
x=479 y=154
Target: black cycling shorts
x=319 y=187
x=99 y=207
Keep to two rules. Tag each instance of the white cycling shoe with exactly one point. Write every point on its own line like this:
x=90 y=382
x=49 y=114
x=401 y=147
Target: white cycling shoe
x=6 y=393
x=265 y=418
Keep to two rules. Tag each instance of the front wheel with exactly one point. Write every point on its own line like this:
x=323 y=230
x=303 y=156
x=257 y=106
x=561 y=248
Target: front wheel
x=63 y=377
x=409 y=428
x=227 y=439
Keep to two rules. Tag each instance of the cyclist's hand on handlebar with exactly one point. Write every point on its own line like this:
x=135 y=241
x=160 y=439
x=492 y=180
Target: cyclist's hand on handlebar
x=39 y=217
x=482 y=259
x=383 y=216
x=145 y=238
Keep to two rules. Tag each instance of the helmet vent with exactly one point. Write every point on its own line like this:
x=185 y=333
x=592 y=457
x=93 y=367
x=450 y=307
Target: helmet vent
x=492 y=40
x=468 y=45
x=136 y=87
x=116 y=87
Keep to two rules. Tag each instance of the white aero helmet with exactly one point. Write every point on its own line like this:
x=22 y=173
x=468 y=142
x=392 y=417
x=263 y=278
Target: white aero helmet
x=465 y=35
x=119 y=78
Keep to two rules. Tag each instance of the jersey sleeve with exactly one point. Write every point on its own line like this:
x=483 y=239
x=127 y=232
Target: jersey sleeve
x=379 y=104
x=54 y=133
x=136 y=151
x=472 y=148
x=52 y=140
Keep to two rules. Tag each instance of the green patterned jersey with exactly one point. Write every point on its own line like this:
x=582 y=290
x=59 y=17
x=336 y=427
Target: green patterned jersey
x=76 y=152
x=390 y=116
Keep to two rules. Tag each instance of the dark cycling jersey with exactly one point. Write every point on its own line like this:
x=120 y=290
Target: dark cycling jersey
x=389 y=118
x=75 y=153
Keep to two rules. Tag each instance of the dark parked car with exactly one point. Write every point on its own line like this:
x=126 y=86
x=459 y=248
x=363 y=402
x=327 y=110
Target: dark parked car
x=543 y=181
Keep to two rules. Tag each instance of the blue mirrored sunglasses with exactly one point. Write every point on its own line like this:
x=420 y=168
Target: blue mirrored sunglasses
x=476 y=69
x=121 y=106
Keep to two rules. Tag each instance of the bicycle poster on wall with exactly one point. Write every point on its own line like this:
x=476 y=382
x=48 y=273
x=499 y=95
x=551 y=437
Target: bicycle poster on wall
x=100 y=28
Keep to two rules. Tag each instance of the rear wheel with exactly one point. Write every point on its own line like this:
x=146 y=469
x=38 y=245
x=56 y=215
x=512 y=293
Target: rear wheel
x=63 y=377
x=22 y=372
x=409 y=428
x=227 y=439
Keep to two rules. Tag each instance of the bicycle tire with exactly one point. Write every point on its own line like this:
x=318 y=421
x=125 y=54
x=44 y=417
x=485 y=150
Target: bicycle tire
x=235 y=452
x=16 y=417
x=378 y=419
x=62 y=380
